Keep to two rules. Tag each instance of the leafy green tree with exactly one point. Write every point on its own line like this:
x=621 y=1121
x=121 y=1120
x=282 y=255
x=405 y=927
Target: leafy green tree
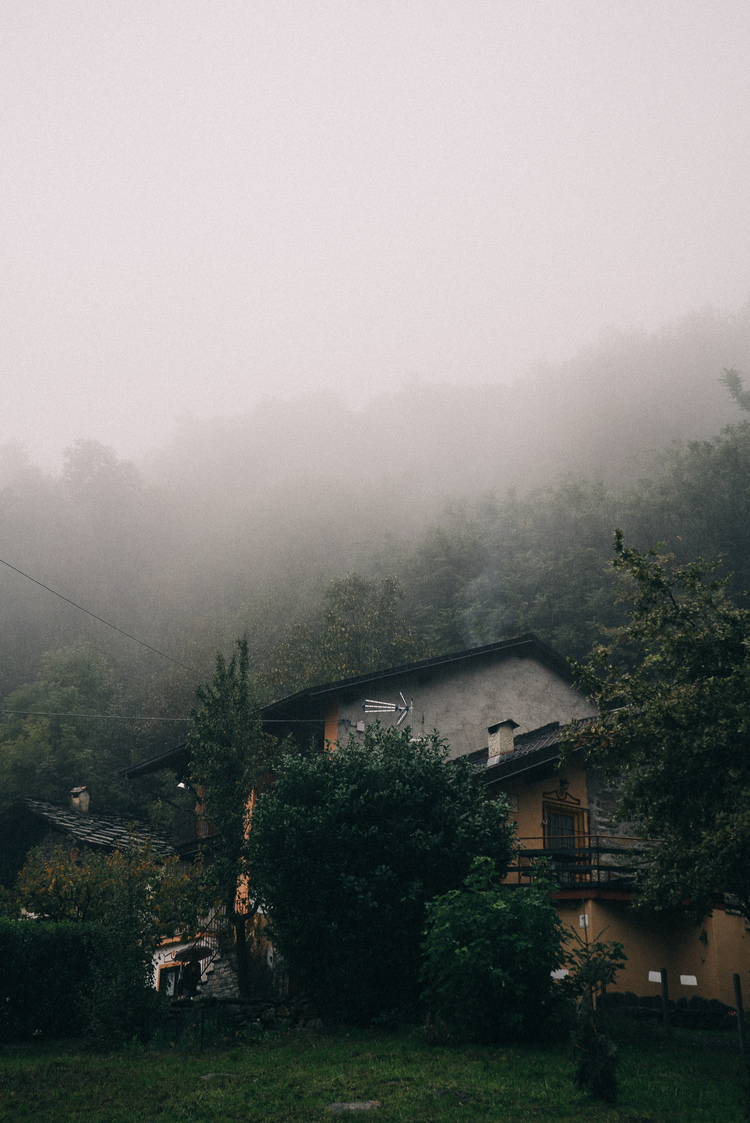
x=360 y=628
x=134 y=899
x=230 y=763
x=673 y=691
x=733 y=381
x=50 y=738
x=347 y=848
x=489 y=951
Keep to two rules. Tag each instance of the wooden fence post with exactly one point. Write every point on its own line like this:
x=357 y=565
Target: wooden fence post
x=665 y=1000
x=740 y=1016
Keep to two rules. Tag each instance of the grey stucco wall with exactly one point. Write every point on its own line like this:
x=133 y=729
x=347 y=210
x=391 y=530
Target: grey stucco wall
x=461 y=700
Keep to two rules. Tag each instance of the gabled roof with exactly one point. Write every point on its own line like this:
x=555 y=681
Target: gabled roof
x=104 y=832
x=176 y=759
x=525 y=646
x=306 y=707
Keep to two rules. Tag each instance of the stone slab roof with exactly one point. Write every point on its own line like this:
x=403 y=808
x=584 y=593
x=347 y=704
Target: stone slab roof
x=105 y=832
x=537 y=739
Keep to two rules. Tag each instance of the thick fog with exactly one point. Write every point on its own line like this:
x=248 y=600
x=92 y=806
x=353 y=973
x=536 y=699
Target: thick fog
x=328 y=220
x=296 y=294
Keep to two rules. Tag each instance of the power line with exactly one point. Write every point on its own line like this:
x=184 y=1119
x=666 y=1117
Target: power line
x=107 y=717
x=103 y=621
x=135 y=717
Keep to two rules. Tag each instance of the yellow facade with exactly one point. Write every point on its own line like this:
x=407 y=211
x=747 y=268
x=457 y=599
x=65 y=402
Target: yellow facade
x=700 y=959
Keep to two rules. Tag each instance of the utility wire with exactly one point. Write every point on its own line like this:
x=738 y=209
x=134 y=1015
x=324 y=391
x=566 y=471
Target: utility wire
x=107 y=717
x=162 y=654
x=134 y=717
x=103 y=621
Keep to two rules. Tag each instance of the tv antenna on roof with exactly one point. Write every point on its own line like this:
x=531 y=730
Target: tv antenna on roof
x=372 y=706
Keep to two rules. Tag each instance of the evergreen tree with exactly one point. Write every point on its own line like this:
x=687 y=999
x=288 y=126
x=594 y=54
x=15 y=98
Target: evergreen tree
x=230 y=761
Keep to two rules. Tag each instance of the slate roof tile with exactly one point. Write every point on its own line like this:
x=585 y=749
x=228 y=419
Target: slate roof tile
x=539 y=743
x=109 y=832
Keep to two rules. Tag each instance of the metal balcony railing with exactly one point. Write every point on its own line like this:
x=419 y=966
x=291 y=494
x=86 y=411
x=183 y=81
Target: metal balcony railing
x=586 y=859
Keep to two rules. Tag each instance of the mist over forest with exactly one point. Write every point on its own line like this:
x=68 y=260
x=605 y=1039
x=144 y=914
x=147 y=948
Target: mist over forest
x=340 y=539
x=604 y=413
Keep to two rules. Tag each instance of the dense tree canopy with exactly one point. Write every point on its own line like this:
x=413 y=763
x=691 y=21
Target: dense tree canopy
x=360 y=628
x=673 y=689
x=348 y=847
x=50 y=737
x=325 y=589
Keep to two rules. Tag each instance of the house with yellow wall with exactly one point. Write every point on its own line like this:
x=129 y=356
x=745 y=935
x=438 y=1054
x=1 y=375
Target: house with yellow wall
x=565 y=813
x=504 y=707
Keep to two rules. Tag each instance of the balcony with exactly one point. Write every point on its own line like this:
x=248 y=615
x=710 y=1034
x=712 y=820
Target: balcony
x=189 y=830
x=601 y=861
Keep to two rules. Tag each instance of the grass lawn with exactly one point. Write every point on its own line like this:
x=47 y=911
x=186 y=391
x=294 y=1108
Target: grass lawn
x=282 y=1077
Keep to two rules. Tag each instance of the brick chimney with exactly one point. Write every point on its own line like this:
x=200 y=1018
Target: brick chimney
x=79 y=800
x=500 y=739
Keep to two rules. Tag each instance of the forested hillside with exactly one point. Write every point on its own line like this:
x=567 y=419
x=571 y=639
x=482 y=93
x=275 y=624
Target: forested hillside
x=340 y=539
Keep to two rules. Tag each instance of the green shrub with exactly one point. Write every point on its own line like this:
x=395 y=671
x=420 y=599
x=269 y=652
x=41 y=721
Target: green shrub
x=348 y=848
x=127 y=900
x=594 y=965
x=46 y=977
x=120 y=1003
x=489 y=951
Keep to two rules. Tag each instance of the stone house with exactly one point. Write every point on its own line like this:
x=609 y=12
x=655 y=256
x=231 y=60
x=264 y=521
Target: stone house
x=30 y=823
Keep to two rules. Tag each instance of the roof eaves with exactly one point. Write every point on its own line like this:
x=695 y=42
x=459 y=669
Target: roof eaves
x=171 y=758
x=538 y=746
x=528 y=640
x=521 y=762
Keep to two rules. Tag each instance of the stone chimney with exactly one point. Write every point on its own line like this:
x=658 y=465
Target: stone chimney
x=500 y=739
x=79 y=800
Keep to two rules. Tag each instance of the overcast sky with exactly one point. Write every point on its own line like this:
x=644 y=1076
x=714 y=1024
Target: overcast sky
x=202 y=203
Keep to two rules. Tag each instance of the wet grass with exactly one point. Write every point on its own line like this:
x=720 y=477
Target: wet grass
x=285 y=1077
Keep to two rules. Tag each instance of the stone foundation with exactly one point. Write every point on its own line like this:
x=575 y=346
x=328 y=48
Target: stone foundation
x=221 y=978
x=281 y=1013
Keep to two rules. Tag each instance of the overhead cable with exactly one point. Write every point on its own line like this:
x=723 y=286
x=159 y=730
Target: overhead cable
x=101 y=620
x=107 y=717
x=135 y=717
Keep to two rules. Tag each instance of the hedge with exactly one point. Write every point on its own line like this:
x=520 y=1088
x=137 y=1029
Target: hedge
x=45 y=976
